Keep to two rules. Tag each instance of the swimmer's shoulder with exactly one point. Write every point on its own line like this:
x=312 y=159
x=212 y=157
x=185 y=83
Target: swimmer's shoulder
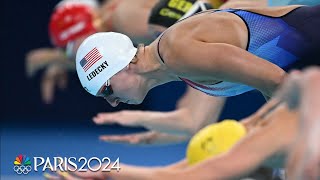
x=177 y=46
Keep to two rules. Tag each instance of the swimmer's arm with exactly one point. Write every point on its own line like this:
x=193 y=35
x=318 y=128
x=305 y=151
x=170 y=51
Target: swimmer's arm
x=253 y=120
x=225 y=62
x=246 y=156
x=179 y=165
x=241 y=160
x=194 y=111
x=249 y=153
x=42 y=57
x=145 y=138
x=202 y=108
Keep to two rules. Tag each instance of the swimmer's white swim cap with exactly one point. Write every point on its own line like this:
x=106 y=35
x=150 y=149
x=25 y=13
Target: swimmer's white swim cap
x=100 y=56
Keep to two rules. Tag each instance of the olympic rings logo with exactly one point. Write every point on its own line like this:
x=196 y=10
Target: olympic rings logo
x=21 y=169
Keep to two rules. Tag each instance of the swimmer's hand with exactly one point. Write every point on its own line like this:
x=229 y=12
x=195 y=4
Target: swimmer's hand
x=172 y=126
x=126 y=172
x=125 y=118
x=55 y=73
x=39 y=58
x=54 y=76
x=144 y=138
x=177 y=122
x=69 y=175
x=165 y=127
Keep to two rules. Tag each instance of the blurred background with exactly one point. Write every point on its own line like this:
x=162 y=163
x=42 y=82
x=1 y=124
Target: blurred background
x=26 y=28
x=65 y=127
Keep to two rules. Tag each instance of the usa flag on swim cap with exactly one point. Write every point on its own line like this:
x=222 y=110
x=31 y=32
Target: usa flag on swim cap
x=90 y=59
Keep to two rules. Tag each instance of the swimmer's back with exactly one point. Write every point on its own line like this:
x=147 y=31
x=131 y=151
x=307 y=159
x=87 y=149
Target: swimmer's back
x=279 y=35
x=199 y=23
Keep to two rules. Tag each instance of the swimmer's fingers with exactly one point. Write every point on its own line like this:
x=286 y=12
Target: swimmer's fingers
x=62 y=176
x=35 y=60
x=69 y=173
x=100 y=174
x=39 y=58
x=136 y=138
x=62 y=79
x=165 y=122
x=125 y=117
x=48 y=176
x=145 y=138
x=89 y=175
x=122 y=172
x=54 y=76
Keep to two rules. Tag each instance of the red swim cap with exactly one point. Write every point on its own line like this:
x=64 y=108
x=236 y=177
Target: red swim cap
x=69 y=22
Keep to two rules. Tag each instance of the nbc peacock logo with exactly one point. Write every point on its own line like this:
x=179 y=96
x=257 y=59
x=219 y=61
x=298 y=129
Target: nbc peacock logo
x=22 y=164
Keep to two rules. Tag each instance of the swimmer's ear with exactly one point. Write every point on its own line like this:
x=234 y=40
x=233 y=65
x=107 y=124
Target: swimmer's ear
x=134 y=60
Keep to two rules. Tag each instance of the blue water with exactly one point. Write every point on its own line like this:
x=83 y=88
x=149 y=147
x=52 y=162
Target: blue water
x=292 y=2
x=77 y=141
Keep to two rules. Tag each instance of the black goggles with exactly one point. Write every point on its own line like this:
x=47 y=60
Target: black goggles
x=105 y=90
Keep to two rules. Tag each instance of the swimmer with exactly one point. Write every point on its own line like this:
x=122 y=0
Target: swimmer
x=206 y=112
x=272 y=132
x=111 y=15
x=181 y=120
x=273 y=121
x=262 y=65
x=126 y=16
x=301 y=92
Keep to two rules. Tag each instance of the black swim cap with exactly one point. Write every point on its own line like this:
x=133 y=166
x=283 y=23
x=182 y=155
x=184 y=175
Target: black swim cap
x=168 y=12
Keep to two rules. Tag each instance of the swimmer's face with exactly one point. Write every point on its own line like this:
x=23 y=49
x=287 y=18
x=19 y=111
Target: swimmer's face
x=127 y=87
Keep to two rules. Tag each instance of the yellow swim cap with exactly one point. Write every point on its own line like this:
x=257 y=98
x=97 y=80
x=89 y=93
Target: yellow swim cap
x=217 y=3
x=214 y=139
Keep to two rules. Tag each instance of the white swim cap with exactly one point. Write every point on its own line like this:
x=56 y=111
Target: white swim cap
x=100 y=56
x=91 y=3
